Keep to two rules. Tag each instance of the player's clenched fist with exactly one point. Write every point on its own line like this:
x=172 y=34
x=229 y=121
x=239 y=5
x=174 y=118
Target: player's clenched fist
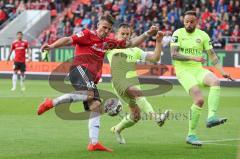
x=152 y=31
x=160 y=36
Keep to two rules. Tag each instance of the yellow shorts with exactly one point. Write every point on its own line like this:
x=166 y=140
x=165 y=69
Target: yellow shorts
x=191 y=77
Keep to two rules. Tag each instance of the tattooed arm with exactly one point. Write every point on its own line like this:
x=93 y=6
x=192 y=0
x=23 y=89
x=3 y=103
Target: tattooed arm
x=154 y=57
x=139 y=39
x=179 y=57
x=216 y=63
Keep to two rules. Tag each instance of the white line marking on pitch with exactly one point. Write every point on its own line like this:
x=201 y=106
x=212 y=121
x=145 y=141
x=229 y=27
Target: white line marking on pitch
x=220 y=144
x=210 y=141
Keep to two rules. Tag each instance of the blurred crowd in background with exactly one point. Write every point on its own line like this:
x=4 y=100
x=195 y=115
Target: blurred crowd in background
x=219 y=18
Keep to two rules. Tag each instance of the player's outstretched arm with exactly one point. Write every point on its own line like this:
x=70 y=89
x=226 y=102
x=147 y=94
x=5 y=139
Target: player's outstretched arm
x=215 y=61
x=179 y=57
x=65 y=41
x=141 y=38
x=154 y=57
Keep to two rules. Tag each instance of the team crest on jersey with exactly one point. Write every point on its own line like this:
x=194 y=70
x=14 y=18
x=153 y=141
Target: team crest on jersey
x=109 y=45
x=80 y=34
x=198 y=40
x=104 y=44
x=174 y=39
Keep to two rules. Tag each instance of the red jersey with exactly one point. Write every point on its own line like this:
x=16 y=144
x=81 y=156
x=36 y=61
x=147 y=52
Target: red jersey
x=90 y=51
x=20 y=50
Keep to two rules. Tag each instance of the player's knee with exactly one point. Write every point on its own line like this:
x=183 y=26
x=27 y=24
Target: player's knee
x=95 y=106
x=200 y=102
x=196 y=94
x=90 y=95
x=134 y=92
x=215 y=82
x=136 y=117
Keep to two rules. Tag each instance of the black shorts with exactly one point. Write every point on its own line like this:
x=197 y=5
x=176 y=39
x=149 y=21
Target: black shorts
x=19 y=66
x=81 y=79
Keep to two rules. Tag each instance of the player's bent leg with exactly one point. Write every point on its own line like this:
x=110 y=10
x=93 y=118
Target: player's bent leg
x=71 y=98
x=128 y=121
x=194 y=117
x=213 y=100
x=190 y=82
x=66 y=98
x=197 y=96
x=94 y=126
x=144 y=105
x=147 y=108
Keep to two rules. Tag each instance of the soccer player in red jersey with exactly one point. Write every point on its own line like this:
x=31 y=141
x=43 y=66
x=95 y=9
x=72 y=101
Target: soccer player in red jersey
x=90 y=48
x=20 y=47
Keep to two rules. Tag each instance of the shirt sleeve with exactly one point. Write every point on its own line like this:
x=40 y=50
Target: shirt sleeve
x=175 y=40
x=207 y=43
x=140 y=54
x=81 y=37
x=27 y=45
x=121 y=43
x=114 y=44
x=12 y=46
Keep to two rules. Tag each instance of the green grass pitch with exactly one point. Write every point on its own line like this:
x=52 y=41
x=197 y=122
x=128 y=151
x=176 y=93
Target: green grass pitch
x=24 y=135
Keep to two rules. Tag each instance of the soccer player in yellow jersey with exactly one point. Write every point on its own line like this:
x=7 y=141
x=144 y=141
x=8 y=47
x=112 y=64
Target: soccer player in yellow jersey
x=187 y=47
x=126 y=84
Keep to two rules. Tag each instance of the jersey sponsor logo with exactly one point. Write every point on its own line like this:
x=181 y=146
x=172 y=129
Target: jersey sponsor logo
x=95 y=47
x=175 y=39
x=198 y=41
x=19 y=48
x=80 y=34
x=191 y=51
